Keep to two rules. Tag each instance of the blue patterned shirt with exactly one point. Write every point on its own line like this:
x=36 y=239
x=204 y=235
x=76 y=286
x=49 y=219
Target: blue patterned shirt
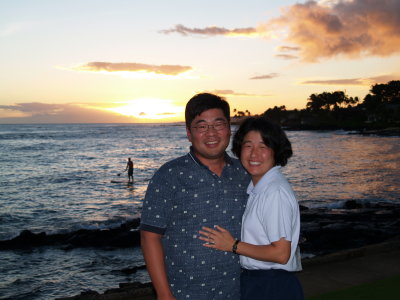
x=183 y=196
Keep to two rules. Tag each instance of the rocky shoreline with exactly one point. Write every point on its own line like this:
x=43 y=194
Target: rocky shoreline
x=324 y=231
x=320 y=274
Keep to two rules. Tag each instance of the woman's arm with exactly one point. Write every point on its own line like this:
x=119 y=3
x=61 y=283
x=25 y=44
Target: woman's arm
x=221 y=239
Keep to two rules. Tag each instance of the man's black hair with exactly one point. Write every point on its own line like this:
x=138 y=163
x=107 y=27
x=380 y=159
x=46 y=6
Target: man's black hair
x=202 y=102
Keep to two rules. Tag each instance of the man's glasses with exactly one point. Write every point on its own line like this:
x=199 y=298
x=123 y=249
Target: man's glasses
x=204 y=127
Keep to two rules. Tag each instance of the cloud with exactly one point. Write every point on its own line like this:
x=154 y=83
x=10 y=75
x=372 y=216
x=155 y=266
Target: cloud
x=211 y=31
x=288 y=48
x=266 y=76
x=342 y=28
x=324 y=29
x=34 y=108
x=133 y=67
x=355 y=81
x=36 y=112
x=286 y=56
x=233 y=93
x=165 y=114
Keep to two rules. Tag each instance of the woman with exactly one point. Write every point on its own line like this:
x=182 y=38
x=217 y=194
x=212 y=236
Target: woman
x=268 y=248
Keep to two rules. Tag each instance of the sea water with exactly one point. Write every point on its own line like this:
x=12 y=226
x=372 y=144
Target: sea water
x=58 y=178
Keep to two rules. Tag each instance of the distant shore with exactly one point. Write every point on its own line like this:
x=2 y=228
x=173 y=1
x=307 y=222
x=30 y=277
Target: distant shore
x=364 y=129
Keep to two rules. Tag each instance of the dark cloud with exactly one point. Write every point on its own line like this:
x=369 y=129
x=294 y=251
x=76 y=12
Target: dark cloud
x=133 y=67
x=35 y=108
x=288 y=48
x=209 y=31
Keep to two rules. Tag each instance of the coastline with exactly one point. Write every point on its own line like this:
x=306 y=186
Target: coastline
x=329 y=235
x=320 y=274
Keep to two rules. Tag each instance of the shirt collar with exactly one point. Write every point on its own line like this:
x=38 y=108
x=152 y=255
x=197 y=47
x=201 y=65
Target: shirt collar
x=227 y=158
x=263 y=182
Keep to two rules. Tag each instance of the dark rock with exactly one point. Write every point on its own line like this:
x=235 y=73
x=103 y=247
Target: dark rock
x=326 y=231
x=302 y=207
x=352 y=204
x=124 y=236
x=128 y=271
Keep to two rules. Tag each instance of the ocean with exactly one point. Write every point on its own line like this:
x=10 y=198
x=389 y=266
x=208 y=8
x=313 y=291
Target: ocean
x=60 y=178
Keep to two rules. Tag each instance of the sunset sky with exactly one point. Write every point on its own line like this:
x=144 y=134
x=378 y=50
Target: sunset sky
x=97 y=61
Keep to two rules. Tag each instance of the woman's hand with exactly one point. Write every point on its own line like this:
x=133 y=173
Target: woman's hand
x=218 y=238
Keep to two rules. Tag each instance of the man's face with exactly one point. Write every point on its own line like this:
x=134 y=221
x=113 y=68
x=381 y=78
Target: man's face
x=209 y=142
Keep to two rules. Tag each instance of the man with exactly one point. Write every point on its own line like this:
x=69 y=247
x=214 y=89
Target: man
x=129 y=167
x=203 y=188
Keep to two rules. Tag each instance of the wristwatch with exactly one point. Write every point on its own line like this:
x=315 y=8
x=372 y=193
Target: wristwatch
x=235 y=245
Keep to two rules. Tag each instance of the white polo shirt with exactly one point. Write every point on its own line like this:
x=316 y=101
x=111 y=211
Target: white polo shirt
x=272 y=213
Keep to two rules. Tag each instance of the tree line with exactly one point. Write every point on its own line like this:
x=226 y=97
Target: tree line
x=379 y=109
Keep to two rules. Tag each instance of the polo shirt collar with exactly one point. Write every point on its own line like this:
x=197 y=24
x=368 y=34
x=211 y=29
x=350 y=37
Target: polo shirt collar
x=263 y=182
x=227 y=158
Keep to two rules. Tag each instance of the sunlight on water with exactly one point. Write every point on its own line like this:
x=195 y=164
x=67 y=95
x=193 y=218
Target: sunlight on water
x=58 y=178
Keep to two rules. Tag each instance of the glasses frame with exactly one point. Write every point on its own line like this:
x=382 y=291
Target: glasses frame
x=202 y=128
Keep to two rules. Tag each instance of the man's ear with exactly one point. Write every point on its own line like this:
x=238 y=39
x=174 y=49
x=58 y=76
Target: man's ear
x=189 y=134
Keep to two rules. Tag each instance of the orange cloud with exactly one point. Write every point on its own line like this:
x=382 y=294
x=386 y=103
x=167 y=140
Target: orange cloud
x=355 y=81
x=346 y=28
x=266 y=76
x=134 y=67
x=233 y=93
x=211 y=31
x=36 y=112
x=286 y=56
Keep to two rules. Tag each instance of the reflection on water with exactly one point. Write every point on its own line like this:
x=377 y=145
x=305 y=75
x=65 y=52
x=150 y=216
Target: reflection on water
x=58 y=178
x=328 y=166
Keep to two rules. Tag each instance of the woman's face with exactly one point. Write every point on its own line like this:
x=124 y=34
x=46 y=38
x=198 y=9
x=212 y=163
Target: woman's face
x=256 y=157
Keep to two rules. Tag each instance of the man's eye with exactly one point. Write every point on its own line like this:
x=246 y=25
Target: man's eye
x=202 y=127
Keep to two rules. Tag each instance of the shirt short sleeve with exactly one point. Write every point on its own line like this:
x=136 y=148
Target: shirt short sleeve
x=157 y=203
x=276 y=215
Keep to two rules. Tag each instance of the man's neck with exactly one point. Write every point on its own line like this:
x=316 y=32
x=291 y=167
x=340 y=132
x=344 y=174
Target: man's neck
x=216 y=165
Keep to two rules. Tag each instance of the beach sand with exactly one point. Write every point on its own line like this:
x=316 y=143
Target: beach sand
x=320 y=275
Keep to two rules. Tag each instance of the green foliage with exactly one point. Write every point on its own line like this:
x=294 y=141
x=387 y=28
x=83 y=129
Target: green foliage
x=383 y=289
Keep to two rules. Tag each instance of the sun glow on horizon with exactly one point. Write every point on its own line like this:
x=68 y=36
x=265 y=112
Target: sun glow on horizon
x=152 y=109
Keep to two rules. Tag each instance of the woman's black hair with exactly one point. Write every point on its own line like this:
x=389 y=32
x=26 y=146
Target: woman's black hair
x=271 y=133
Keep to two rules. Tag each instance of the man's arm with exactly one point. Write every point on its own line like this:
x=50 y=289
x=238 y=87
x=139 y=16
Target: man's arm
x=153 y=254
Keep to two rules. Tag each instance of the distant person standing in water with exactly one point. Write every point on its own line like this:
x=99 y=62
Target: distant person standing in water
x=129 y=167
